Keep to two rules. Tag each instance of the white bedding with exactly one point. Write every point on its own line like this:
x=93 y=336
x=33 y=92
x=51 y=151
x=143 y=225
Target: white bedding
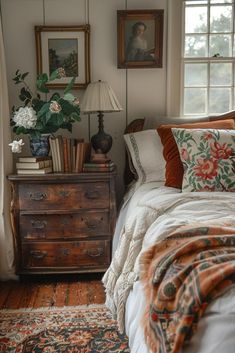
x=152 y=213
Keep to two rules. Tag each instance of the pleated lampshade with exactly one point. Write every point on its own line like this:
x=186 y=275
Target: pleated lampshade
x=99 y=97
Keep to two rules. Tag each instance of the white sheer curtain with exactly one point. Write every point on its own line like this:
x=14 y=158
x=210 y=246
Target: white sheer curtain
x=6 y=238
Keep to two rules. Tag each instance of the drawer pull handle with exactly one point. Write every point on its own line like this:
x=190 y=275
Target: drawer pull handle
x=38 y=224
x=90 y=224
x=92 y=195
x=37 y=196
x=95 y=252
x=66 y=252
x=38 y=254
x=63 y=193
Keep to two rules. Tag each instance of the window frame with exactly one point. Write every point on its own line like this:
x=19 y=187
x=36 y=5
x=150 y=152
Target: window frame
x=207 y=59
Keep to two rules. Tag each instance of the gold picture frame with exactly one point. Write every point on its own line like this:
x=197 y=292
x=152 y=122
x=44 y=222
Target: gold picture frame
x=140 y=38
x=67 y=47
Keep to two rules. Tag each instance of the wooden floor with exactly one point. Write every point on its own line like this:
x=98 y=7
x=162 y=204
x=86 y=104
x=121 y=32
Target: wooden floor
x=44 y=292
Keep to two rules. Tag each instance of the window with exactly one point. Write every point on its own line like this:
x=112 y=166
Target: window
x=208 y=57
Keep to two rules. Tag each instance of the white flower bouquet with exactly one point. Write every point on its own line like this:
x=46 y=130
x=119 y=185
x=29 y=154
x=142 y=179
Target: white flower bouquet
x=37 y=116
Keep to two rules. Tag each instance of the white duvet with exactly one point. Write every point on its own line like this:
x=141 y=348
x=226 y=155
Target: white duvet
x=152 y=213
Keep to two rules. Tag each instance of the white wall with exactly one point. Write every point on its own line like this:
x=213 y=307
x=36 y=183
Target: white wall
x=141 y=92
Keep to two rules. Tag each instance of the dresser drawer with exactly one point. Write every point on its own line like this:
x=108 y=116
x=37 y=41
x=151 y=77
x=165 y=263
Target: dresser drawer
x=64 y=196
x=68 y=255
x=62 y=226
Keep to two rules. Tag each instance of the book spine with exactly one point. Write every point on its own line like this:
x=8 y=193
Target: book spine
x=32 y=165
x=69 y=154
x=35 y=171
x=65 y=154
x=77 y=158
x=53 y=153
x=32 y=159
x=58 y=154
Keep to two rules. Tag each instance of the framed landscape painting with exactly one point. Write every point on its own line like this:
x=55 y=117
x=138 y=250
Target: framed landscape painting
x=66 y=47
x=140 y=38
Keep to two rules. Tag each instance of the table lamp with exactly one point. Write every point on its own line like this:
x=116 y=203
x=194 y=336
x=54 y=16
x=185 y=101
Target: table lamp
x=99 y=98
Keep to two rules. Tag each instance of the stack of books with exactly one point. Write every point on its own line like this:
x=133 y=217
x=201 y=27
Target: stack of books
x=34 y=165
x=98 y=163
x=69 y=154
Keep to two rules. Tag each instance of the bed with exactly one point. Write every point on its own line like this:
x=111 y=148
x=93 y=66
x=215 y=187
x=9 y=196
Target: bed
x=157 y=220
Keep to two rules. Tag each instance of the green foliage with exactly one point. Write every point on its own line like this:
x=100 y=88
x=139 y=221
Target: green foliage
x=57 y=112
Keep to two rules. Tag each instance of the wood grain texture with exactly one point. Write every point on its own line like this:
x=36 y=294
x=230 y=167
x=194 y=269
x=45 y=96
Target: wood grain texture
x=27 y=294
x=63 y=222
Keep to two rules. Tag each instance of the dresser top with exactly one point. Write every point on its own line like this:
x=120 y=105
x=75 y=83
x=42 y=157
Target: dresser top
x=62 y=177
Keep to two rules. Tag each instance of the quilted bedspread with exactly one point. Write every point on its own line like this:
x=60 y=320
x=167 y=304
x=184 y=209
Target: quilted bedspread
x=152 y=216
x=182 y=274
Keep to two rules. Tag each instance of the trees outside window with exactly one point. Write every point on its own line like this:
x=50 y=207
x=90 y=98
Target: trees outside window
x=208 y=57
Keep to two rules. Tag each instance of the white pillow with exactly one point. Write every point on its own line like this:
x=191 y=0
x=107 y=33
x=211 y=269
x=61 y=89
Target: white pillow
x=145 y=149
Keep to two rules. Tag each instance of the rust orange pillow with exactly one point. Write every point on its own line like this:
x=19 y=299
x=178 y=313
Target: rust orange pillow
x=174 y=168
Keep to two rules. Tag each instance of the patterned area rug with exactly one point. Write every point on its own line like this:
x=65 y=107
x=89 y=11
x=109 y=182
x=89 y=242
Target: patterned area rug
x=88 y=329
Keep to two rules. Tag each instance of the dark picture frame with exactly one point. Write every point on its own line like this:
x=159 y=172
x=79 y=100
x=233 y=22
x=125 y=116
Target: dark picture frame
x=140 y=38
x=67 y=47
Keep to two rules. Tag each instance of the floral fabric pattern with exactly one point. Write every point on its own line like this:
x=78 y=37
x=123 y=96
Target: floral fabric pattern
x=208 y=158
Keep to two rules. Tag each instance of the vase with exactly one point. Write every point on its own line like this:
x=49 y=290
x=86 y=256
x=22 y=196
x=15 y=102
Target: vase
x=39 y=146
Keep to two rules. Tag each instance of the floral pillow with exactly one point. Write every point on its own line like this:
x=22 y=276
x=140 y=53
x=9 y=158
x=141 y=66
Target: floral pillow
x=208 y=158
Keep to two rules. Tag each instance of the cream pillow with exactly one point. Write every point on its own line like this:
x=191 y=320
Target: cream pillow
x=145 y=150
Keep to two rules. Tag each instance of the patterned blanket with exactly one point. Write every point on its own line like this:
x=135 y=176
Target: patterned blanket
x=182 y=274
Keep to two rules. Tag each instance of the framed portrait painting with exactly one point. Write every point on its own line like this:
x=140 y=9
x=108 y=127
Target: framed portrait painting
x=140 y=38
x=67 y=47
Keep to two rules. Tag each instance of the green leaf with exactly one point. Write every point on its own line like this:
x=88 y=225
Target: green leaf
x=48 y=116
x=17 y=71
x=42 y=78
x=37 y=104
x=26 y=102
x=67 y=126
x=43 y=110
x=75 y=116
x=67 y=107
x=20 y=130
x=54 y=75
x=25 y=93
x=24 y=75
x=22 y=97
x=70 y=85
x=56 y=119
x=69 y=97
x=35 y=134
x=55 y=97
x=42 y=88
x=39 y=126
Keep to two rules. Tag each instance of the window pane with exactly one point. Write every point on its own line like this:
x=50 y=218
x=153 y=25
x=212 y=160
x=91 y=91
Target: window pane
x=195 y=45
x=196 y=19
x=221 y=19
x=190 y=2
x=221 y=1
x=194 y=101
x=220 y=44
x=220 y=74
x=219 y=100
x=195 y=75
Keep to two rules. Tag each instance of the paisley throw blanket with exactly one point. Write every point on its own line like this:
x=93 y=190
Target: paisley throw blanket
x=182 y=274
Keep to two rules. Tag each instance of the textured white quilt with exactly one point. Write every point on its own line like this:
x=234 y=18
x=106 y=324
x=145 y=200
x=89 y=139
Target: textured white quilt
x=153 y=213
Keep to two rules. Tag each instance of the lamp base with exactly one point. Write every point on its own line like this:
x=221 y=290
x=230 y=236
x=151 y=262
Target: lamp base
x=102 y=142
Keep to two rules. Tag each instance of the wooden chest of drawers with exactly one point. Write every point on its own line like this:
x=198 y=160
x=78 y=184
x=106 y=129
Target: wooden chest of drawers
x=63 y=222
